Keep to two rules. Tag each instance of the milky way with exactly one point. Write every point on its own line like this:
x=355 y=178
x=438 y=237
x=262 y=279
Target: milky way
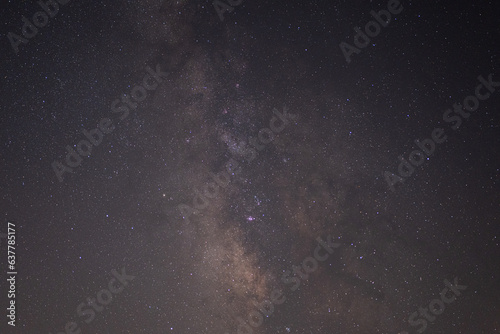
x=246 y=191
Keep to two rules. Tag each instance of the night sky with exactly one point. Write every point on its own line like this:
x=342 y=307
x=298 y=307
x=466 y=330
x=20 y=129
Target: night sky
x=250 y=167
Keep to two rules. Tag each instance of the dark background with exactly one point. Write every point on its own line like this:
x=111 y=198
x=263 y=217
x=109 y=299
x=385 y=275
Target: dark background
x=322 y=175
